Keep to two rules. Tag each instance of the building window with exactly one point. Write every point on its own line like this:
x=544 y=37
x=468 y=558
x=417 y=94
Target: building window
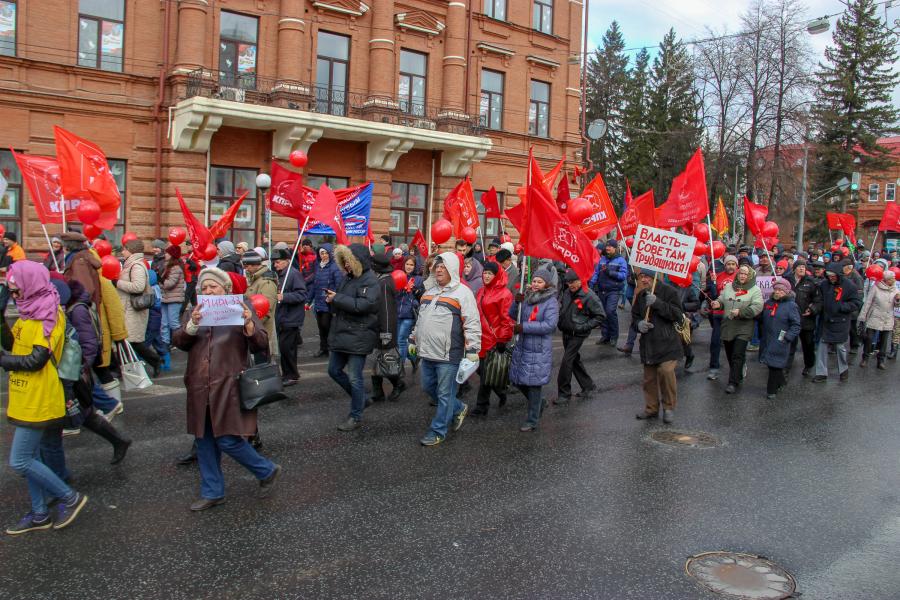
x=237 y=50
x=873 y=192
x=11 y=202
x=408 y=202
x=334 y=183
x=118 y=168
x=539 y=109
x=413 y=72
x=8 y=28
x=491 y=110
x=489 y=227
x=890 y=191
x=542 y=17
x=495 y=9
x=332 y=63
x=101 y=34
x=226 y=185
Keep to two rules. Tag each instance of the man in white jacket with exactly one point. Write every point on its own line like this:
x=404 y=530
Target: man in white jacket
x=448 y=330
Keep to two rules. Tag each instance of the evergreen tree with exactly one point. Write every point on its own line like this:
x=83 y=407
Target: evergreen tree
x=854 y=106
x=605 y=98
x=637 y=147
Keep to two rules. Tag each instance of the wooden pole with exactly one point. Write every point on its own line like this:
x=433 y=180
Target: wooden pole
x=293 y=255
x=652 y=290
x=50 y=245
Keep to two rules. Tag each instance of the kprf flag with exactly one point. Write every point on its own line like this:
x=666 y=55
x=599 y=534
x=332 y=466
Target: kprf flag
x=325 y=210
x=688 y=201
x=603 y=219
x=640 y=211
x=891 y=219
x=720 y=220
x=419 y=242
x=226 y=221
x=460 y=208
x=286 y=194
x=491 y=205
x=85 y=174
x=41 y=177
x=197 y=231
x=546 y=233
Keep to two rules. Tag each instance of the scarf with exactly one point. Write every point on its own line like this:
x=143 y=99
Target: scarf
x=38 y=299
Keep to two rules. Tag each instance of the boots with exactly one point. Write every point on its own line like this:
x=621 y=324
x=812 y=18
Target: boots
x=166 y=362
x=880 y=362
x=864 y=361
x=104 y=429
x=892 y=353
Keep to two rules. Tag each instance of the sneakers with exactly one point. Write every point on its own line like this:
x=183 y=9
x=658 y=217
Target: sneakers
x=820 y=378
x=460 y=417
x=289 y=382
x=644 y=415
x=30 y=522
x=561 y=401
x=266 y=485
x=845 y=375
x=587 y=393
x=205 y=503
x=66 y=511
x=70 y=432
x=730 y=388
x=688 y=362
x=752 y=347
x=431 y=439
x=349 y=425
x=117 y=410
x=713 y=374
x=527 y=427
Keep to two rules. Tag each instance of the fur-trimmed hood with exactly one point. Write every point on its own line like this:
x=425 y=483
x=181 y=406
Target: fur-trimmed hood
x=355 y=255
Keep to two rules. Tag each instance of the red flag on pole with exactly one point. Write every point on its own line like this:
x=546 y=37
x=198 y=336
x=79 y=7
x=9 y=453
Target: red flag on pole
x=688 y=201
x=491 y=204
x=419 y=242
x=85 y=174
x=576 y=173
x=325 y=210
x=41 y=175
x=197 y=231
x=221 y=227
x=848 y=226
x=550 y=178
x=891 y=219
x=563 y=195
x=603 y=219
x=755 y=216
x=628 y=197
x=833 y=219
x=460 y=208
x=641 y=210
x=286 y=194
x=720 y=220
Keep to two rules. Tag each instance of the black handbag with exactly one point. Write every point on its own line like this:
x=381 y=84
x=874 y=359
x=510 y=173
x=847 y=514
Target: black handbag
x=260 y=385
x=495 y=368
x=387 y=363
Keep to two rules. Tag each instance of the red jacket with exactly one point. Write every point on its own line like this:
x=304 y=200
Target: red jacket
x=494 y=301
x=397 y=262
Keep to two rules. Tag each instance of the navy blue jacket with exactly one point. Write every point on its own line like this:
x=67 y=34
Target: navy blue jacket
x=609 y=275
x=291 y=311
x=408 y=301
x=328 y=277
x=777 y=316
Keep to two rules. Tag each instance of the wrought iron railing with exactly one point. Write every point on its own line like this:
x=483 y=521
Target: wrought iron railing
x=252 y=89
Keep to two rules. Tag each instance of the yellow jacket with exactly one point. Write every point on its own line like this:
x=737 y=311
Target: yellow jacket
x=36 y=398
x=112 y=320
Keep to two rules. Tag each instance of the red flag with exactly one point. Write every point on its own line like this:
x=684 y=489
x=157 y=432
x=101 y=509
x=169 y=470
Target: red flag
x=688 y=201
x=547 y=234
x=325 y=210
x=419 y=242
x=604 y=218
x=460 y=208
x=550 y=178
x=641 y=210
x=197 y=231
x=576 y=173
x=221 y=227
x=628 y=197
x=720 y=220
x=563 y=195
x=516 y=215
x=490 y=204
x=848 y=225
x=41 y=175
x=370 y=237
x=891 y=219
x=755 y=216
x=286 y=194
x=85 y=174
x=833 y=219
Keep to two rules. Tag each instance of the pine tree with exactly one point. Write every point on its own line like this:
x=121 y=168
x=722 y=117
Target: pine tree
x=854 y=106
x=607 y=77
x=637 y=147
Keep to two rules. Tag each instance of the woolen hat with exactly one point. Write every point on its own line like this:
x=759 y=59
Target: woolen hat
x=226 y=247
x=11 y=235
x=280 y=254
x=217 y=275
x=547 y=273
x=782 y=263
x=174 y=251
x=508 y=246
x=68 y=236
x=491 y=266
x=381 y=263
x=157 y=243
x=613 y=243
x=730 y=258
x=571 y=276
x=251 y=258
x=503 y=255
x=780 y=283
x=135 y=246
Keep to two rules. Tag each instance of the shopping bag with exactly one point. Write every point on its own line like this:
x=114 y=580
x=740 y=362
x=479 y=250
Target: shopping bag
x=134 y=374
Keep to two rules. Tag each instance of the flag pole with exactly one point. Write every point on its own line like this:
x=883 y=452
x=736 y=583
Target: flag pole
x=830 y=238
x=52 y=253
x=652 y=290
x=62 y=205
x=627 y=251
x=293 y=254
x=873 y=246
x=712 y=258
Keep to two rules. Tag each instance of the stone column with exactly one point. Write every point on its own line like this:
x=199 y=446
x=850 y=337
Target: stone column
x=454 y=68
x=382 y=82
x=192 y=35
x=291 y=27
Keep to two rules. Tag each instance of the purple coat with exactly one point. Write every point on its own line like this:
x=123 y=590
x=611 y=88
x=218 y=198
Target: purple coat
x=532 y=359
x=79 y=315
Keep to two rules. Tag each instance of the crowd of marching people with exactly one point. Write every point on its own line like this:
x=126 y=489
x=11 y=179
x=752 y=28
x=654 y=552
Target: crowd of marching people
x=454 y=319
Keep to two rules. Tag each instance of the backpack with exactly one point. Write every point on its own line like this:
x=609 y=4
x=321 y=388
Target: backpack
x=69 y=365
x=95 y=318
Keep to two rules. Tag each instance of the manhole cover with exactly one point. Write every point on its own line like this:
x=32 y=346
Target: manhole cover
x=736 y=575
x=685 y=439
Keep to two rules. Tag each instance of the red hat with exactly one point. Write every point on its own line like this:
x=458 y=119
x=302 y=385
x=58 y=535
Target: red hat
x=238 y=283
x=782 y=263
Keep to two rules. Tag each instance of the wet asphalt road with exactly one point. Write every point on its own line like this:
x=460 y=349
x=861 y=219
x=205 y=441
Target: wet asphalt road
x=587 y=507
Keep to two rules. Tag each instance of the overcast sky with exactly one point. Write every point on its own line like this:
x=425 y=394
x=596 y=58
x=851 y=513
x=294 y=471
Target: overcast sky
x=645 y=22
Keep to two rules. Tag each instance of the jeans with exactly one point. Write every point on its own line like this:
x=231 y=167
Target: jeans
x=715 y=341
x=610 y=302
x=632 y=335
x=572 y=365
x=43 y=483
x=439 y=382
x=736 y=353
x=170 y=321
x=404 y=328
x=153 y=336
x=209 y=459
x=822 y=357
x=353 y=384
x=532 y=395
x=52 y=453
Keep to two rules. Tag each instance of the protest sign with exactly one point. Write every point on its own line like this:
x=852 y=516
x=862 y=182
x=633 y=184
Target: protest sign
x=219 y=311
x=664 y=251
x=765 y=285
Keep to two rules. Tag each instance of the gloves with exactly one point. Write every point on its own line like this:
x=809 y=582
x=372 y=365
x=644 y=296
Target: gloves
x=473 y=356
x=518 y=328
x=650 y=299
x=644 y=326
x=501 y=347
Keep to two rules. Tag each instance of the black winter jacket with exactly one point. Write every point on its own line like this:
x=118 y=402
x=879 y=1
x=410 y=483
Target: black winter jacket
x=387 y=313
x=809 y=297
x=662 y=343
x=580 y=312
x=839 y=303
x=291 y=311
x=354 y=322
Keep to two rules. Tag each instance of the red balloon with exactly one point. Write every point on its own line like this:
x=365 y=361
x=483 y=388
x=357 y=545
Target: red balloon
x=2 y=230
x=592 y=234
x=874 y=272
x=399 y=278
x=110 y=267
x=177 y=235
x=91 y=232
x=88 y=212
x=103 y=248
x=469 y=235
x=299 y=158
x=441 y=231
x=896 y=272
x=260 y=305
x=770 y=229
x=128 y=237
x=695 y=262
x=682 y=281
x=845 y=251
x=688 y=228
x=718 y=249
x=700 y=249
x=579 y=210
x=838 y=242
x=209 y=252
x=629 y=241
x=505 y=238
x=519 y=248
x=701 y=232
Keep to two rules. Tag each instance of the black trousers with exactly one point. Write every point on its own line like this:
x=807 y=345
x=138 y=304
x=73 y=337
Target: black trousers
x=323 y=320
x=855 y=339
x=287 y=348
x=146 y=351
x=484 y=392
x=776 y=380
x=884 y=342
x=736 y=352
x=807 y=341
x=572 y=365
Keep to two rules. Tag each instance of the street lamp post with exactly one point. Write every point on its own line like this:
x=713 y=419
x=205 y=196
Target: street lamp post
x=802 y=221
x=263 y=183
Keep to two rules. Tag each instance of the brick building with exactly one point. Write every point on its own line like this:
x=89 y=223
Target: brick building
x=201 y=94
